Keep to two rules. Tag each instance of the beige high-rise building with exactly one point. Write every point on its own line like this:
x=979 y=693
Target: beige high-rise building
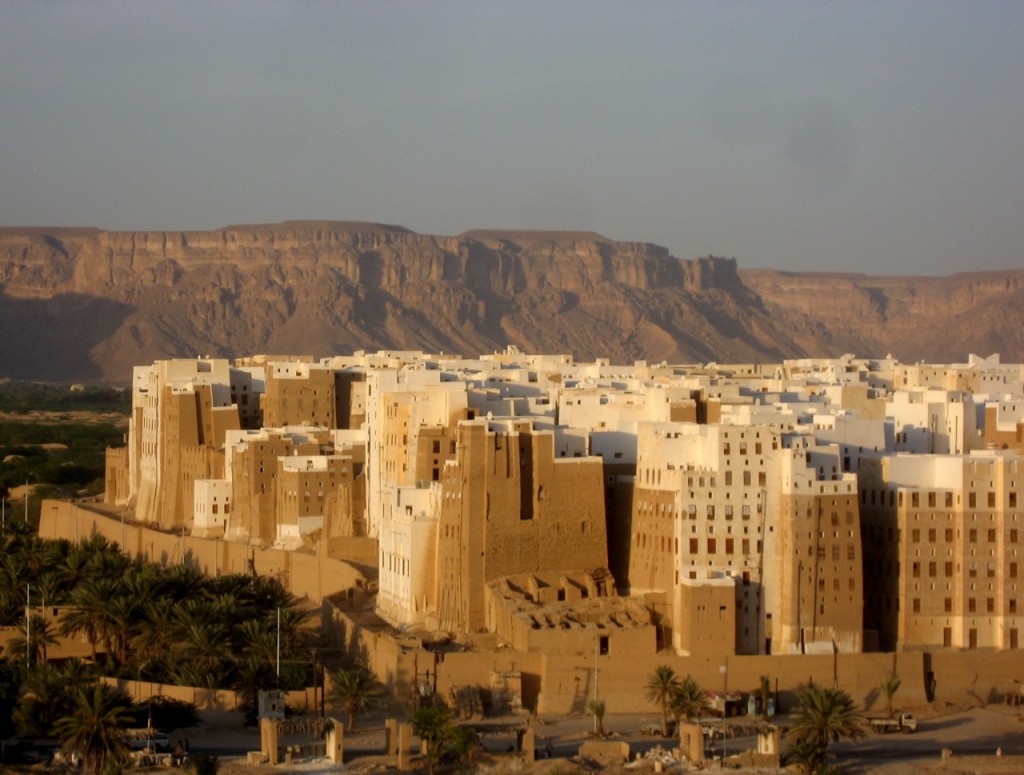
x=943 y=550
x=252 y=466
x=716 y=502
x=300 y=393
x=508 y=507
x=181 y=411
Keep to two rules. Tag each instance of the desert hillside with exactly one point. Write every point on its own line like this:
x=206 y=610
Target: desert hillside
x=937 y=319
x=85 y=304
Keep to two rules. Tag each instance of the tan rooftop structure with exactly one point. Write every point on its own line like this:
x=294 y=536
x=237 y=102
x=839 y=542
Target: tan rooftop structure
x=568 y=613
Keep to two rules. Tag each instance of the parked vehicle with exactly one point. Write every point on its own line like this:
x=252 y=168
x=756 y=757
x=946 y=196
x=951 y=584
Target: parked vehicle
x=903 y=722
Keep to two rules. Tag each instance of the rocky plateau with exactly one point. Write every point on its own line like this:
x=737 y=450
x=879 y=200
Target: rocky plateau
x=87 y=305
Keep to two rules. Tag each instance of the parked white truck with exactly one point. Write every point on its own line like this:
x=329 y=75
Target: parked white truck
x=902 y=722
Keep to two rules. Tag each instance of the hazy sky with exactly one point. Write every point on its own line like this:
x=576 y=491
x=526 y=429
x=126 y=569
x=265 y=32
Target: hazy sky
x=883 y=137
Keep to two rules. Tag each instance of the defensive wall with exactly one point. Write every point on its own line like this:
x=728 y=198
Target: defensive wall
x=307 y=576
x=551 y=684
x=562 y=684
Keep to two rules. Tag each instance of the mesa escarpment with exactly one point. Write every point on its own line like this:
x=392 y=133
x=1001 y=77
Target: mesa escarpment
x=937 y=319
x=89 y=304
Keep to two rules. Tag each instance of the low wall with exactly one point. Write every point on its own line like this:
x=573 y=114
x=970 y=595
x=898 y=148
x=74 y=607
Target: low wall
x=975 y=677
x=64 y=648
x=302 y=701
x=997 y=763
x=568 y=682
x=203 y=699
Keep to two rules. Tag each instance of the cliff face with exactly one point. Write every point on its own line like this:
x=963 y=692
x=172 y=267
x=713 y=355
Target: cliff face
x=88 y=304
x=938 y=319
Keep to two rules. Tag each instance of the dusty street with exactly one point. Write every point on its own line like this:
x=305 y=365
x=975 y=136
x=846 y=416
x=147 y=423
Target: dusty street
x=967 y=731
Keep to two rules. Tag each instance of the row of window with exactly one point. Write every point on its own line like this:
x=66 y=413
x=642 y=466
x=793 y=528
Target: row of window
x=972 y=605
x=991 y=535
x=932 y=499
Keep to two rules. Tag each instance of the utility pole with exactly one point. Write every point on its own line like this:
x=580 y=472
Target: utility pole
x=28 y=624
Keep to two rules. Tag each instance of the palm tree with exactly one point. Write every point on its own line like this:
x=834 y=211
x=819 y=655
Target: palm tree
x=43 y=701
x=257 y=639
x=89 y=612
x=688 y=700
x=50 y=588
x=824 y=716
x=294 y=630
x=121 y=614
x=153 y=630
x=597 y=707
x=355 y=690
x=660 y=686
x=95 y=727
x=252 y=675
x=206 y=647
x=34 y=640
x=184 y=582
x=889 y=687
x=74 y=569
x=46 y=696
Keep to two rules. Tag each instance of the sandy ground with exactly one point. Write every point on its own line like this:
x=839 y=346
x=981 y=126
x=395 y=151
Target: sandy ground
x=967 y=731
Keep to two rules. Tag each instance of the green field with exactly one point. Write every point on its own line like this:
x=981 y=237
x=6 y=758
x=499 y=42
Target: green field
x=54 y=437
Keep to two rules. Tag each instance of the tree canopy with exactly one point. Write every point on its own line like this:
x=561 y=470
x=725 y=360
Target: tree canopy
x=661 y=685
x=824 y=716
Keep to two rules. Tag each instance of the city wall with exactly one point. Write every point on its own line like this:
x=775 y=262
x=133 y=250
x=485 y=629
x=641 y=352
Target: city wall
x=307 y=576
x=550 y=684
x=563 y=684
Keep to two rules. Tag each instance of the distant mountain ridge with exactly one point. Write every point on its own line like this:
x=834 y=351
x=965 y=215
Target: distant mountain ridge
x=87 y=304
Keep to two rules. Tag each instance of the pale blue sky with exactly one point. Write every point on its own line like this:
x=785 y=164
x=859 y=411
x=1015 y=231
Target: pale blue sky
x=883 y=137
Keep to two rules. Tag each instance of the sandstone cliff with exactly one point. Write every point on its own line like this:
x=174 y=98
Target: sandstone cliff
x=89 y=304
x=938 y=319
